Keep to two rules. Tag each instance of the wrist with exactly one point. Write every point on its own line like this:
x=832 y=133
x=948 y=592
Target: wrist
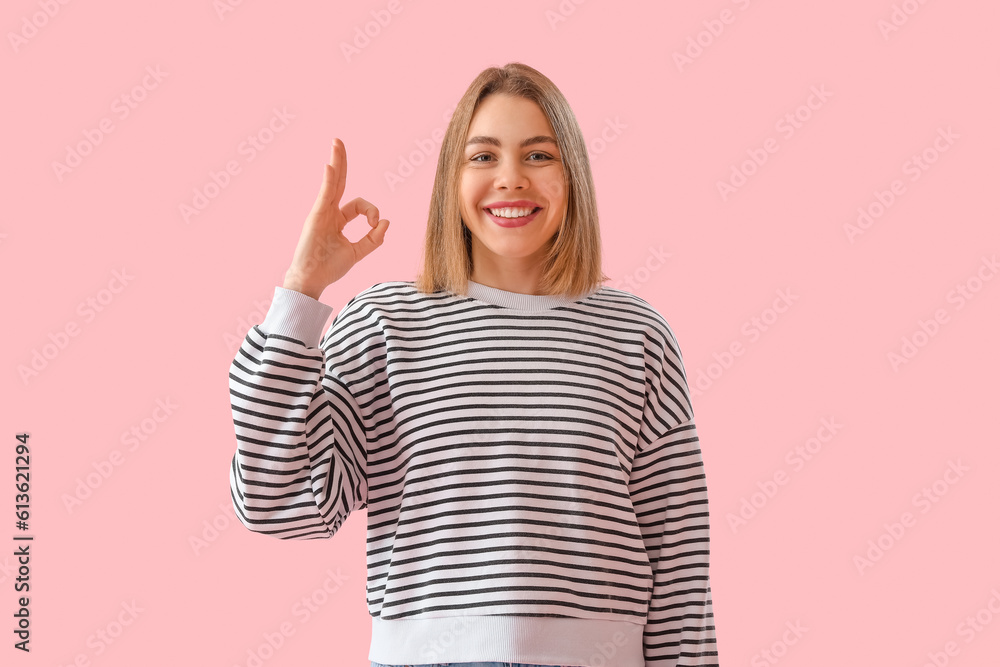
x=293 y=283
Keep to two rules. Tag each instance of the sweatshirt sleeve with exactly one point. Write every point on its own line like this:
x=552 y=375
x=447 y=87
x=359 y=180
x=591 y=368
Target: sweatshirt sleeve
x=670 y=496
x=300 y=463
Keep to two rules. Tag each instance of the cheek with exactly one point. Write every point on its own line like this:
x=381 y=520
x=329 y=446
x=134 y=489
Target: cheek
x=464 y=202
x=469 y=193
x=555 y=191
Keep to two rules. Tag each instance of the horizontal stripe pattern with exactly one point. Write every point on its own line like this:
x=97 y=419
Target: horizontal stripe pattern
x=541 y=463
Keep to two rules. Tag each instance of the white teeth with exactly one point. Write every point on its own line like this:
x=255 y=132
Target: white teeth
x=510 y=212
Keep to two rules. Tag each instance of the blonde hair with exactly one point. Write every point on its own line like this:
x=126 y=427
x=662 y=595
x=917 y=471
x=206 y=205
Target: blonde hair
x=572 y=264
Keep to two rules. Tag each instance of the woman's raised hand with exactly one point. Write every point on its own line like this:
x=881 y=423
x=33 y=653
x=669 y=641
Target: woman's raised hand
x=324 y=254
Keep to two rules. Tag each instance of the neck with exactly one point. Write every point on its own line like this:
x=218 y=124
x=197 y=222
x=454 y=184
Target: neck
x=521 y=275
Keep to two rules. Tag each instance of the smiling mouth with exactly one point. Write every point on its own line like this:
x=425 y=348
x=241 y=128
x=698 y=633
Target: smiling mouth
x=510 y=210
x=519 y=221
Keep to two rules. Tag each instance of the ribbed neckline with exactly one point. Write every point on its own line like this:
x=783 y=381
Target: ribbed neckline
x=515 y=301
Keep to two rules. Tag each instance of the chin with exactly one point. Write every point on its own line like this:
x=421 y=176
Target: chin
x=509 y=251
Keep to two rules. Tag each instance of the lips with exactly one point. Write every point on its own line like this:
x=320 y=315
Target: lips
x=512 y=222
x=520 y=203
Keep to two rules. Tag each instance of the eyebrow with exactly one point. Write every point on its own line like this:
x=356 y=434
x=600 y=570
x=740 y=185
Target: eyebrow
x=493 y=141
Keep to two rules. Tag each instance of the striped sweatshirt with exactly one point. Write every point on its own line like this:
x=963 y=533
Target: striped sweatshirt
x=529 y=466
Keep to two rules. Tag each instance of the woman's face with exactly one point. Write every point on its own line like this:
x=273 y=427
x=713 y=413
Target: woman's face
x=511 y=161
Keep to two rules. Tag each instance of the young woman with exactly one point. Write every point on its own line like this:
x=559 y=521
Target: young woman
x=521 y=436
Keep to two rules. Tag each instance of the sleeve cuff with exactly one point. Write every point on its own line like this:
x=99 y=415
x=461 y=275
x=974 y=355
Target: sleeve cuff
x=296 y=315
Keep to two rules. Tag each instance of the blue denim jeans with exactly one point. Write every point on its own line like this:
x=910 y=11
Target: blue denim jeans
x=466 y=664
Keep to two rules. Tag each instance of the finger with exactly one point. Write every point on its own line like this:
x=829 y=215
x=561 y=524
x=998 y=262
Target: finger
x=357 y=206
x=339 y=161
x=329 y=196
x=373 y=239
x=325 y=196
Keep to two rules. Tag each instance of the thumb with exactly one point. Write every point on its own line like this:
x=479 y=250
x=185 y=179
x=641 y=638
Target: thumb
x=372 y=239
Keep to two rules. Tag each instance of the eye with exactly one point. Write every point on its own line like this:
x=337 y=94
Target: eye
x=542 y=157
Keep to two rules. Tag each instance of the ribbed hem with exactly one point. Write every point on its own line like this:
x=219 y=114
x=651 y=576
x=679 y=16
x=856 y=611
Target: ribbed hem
x=296 y=315
x=539 y=640
x=516 y=301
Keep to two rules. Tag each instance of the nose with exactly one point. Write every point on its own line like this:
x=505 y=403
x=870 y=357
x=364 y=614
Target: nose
x=510 y=175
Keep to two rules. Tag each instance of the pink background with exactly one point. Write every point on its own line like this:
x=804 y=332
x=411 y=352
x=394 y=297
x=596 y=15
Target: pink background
x=662 y=138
